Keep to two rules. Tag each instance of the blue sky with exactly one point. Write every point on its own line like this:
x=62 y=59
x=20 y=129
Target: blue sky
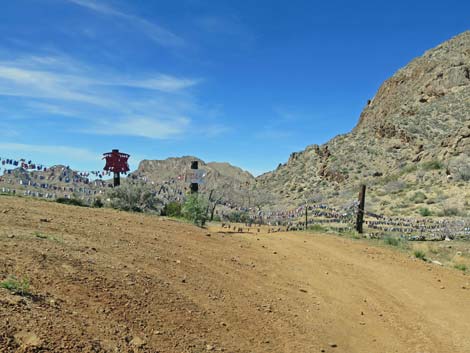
x=246 y=82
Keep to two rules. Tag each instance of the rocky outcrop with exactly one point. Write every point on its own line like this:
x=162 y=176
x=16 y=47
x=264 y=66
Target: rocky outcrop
x=228 y=183
x=417 y=123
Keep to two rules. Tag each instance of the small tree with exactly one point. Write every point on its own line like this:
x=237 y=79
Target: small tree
x=195 y=210
x=239 y=217
x=213 y=201
x=97 y=203
x=136 y=198
x=172 y=209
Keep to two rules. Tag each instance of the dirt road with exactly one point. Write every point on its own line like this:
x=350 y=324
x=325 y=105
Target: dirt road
x=109 y=281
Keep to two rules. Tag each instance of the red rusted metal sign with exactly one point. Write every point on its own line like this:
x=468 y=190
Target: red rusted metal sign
x=116 y=162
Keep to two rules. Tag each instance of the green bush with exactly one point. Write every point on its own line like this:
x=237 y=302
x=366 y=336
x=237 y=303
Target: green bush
x=392 y=241
x=418 y=197
x=432 y=165
x=461 y=267
x=317 y=228
x=172 y=209
x=425 y=212
x=450 y=212
x=97 y=203
x=420 y=255
x=73 y=202
x=17 y=286
x=460 y=167
x=195 y=210
x=135 y=198
x=238 y=217
x=409 y=169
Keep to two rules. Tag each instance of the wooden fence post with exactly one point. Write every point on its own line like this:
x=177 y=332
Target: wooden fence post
x=306 y=216
x=360 y=211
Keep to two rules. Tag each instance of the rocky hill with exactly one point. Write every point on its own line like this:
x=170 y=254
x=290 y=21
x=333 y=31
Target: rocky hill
x=411 y=145
x=227 y=183
x=53 y=182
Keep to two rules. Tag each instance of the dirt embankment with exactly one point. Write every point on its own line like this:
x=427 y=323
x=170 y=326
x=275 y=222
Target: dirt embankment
x=108 y=281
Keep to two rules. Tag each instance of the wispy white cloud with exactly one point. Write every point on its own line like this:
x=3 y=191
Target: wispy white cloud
x=7 y=132
x=161 y=82
x=155 y=32
x=52 y=109
x=16 y=81
x=48 y=77
x=96 y=6
x=157 y=106
x=143 y=127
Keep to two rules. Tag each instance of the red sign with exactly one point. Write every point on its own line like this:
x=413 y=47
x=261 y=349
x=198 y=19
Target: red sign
x=116 y=162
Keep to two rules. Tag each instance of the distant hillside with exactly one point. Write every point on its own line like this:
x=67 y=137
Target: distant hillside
x=54 y=182
x=411 y=145
x=226 y=182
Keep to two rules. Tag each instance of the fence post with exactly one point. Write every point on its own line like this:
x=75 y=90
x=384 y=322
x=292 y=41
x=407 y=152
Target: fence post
x=306 y=216
x=360 y=211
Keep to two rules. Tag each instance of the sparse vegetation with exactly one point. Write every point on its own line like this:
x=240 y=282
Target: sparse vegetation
x=353 y=234
x=425 y=212
x=172 y=209
x=460 y=167
x=409 y=169
x=394 y=187
x=15 y=285
x=97 y=203
x=392 y=241
x=432 y=165
x=449 y=212
x=135 y=198
x=195 y=210
x=419 y=254
x=418 y=197
x=238 y=217
x=461 y=267
x=47 y=237
x=71 y=201
x=317 y=228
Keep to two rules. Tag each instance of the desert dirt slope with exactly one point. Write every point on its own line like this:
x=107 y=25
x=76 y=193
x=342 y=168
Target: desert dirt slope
x=109 y=281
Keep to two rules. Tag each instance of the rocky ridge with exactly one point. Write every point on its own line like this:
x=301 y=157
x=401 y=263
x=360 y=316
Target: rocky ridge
x=226 y=182
x=412 y=137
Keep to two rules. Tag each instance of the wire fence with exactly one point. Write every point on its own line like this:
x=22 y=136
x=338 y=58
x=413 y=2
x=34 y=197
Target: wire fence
x=35 y=180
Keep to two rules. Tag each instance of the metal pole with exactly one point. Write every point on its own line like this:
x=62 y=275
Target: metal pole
x=360 y=212
x=117 y=179
x=117 y=175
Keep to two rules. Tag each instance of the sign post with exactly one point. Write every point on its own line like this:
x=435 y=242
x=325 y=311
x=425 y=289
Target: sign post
x=116 y=162
x=194 y=184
